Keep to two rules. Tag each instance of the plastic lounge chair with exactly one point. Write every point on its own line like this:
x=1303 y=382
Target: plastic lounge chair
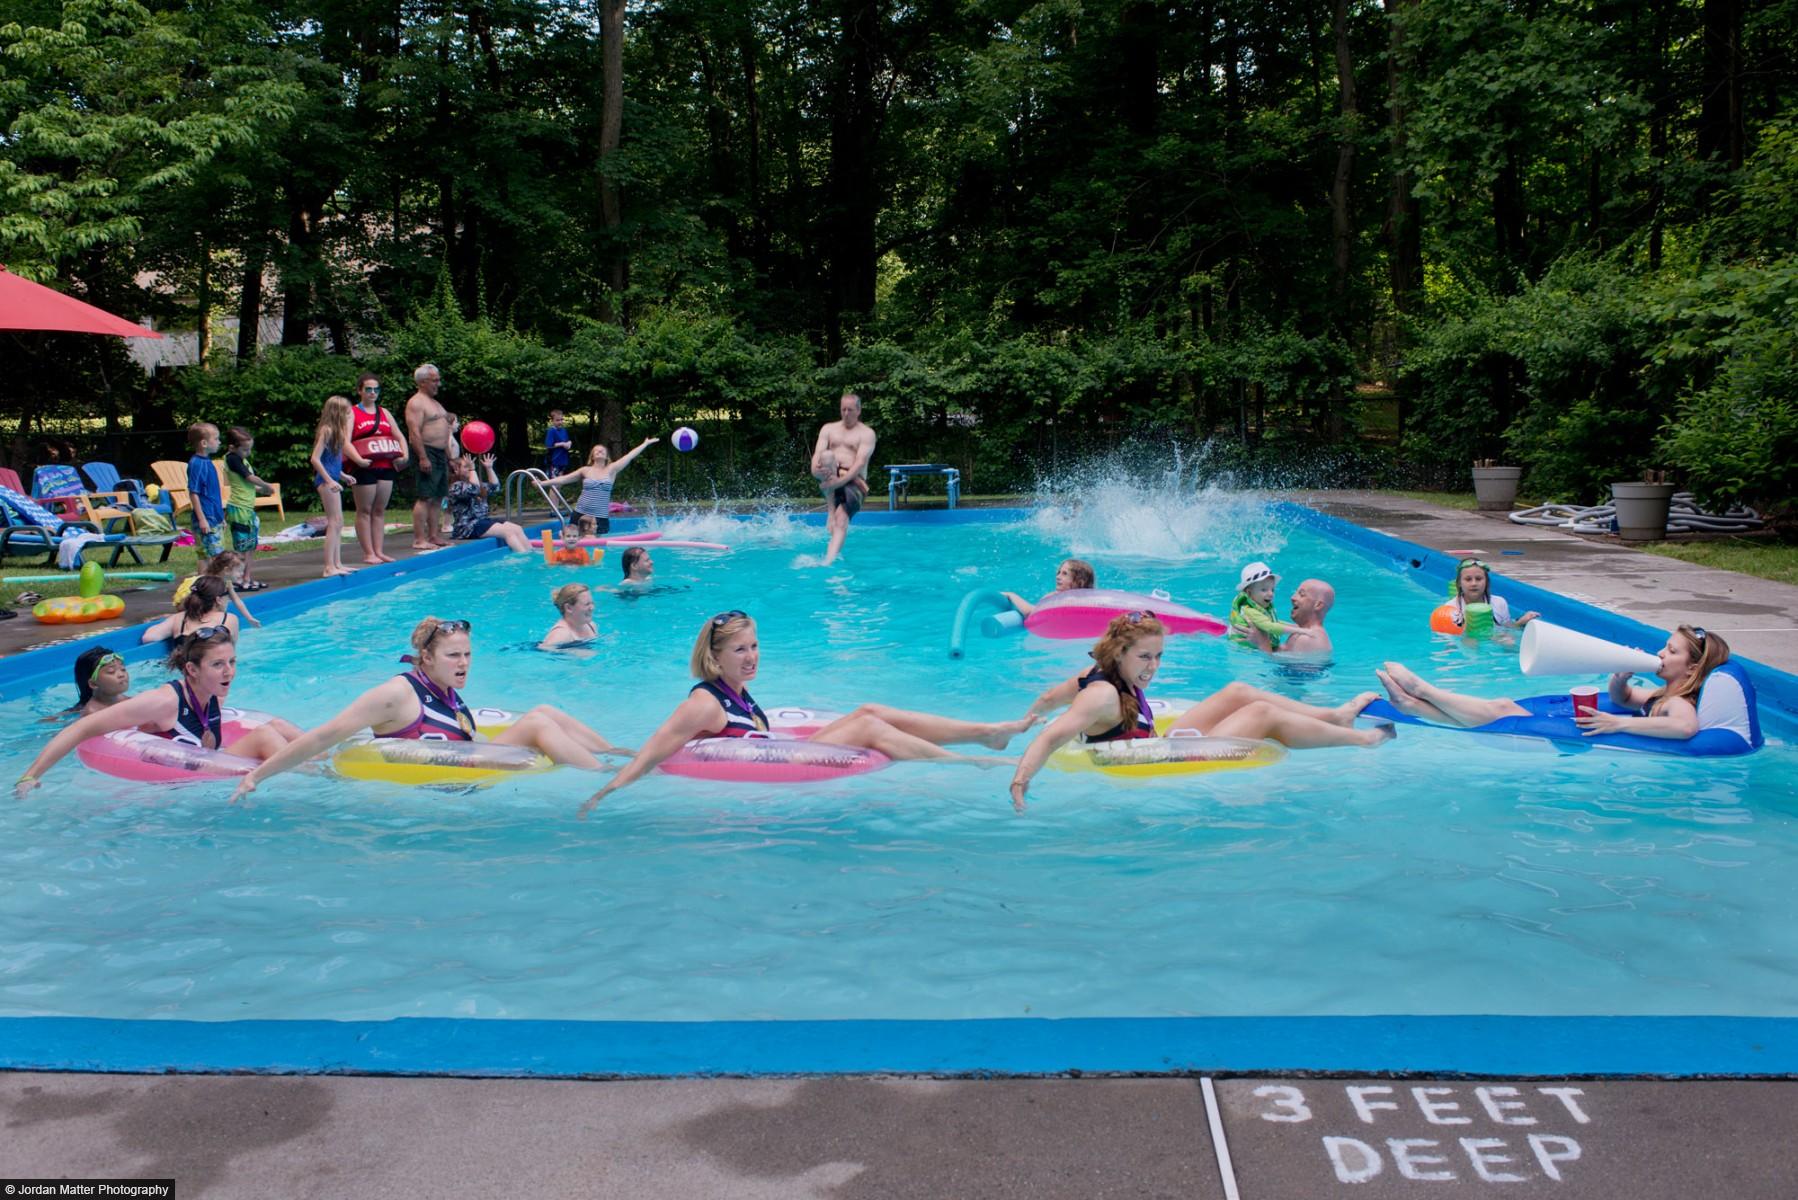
x=173 y=478
x=272 y=500
x=57 y=488
x=106 y=478
x=106 y=509
x=31 y=523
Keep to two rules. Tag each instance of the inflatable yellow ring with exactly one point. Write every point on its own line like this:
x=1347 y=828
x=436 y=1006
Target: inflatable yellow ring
x=425 y=762
x=1183 y=754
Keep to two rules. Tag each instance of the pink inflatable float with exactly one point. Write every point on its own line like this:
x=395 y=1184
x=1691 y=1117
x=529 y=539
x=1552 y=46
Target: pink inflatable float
x=1085 y=612
x=146 y=758
x=782 y=755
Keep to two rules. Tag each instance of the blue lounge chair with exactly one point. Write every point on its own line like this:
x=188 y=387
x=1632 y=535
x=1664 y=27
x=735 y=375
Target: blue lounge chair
x=106 y=478
x=30 y=523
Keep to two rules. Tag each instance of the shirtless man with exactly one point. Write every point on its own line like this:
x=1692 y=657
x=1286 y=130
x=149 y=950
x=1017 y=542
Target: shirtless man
x=848 y=444
x=428 y=429
x=1310 y=604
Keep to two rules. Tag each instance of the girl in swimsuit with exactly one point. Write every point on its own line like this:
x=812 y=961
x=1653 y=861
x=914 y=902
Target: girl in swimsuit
x=725 y=659
x=1669 y=711
x=575 y=602
x=1108 y=703
x=1071 y=574
x=331 y=446
x=596 y=480
x=101 y=681
x=205 y=607
x=187 y=710
x=426 y=702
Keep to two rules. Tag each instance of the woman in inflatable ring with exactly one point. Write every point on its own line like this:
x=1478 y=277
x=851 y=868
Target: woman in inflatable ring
x=187 y=710
x=207 y=606
x=1674 y=711
x=574 y=603
x=424 y=702
x=1109 y=703
x=726 y=656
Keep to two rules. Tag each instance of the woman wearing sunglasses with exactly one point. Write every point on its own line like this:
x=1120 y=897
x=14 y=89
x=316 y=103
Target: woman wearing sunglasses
x=1680 y=709
x=186 y=711
x=426 y=703
x=725 y=659
x=1109 y=703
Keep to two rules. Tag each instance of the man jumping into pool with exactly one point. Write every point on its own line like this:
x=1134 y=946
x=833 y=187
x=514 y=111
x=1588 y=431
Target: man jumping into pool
x=845 y=446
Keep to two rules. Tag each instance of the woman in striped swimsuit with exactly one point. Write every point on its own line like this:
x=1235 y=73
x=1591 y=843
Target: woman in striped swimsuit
x=596 y=479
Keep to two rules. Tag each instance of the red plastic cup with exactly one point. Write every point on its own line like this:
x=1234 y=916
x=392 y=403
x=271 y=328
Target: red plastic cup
x=1585 y=701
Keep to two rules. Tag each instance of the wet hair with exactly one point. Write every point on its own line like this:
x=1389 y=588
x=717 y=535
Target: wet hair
x=190 y=650
x=704 y=663
x=630 y=557
x=199 y=433
x=1082 y=571
x=1709 y=651
x=336 y=422
x=587 y=526
x=85 y=666
x=239 y=437
x=208 y=594
x=1108 y=652
x=567 y=594
x=424 y=632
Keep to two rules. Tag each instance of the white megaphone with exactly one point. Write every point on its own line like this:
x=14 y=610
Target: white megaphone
x=1552 y=650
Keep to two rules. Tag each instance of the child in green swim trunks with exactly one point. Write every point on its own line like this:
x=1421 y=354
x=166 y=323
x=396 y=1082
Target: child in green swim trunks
x=1252 y=619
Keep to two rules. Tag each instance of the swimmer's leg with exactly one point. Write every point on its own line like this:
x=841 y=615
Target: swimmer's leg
x=872 y=733
x=1260 y=719
x=580 y=731
x=512 y=535
x=838 y=524
x=1455 y=708
x=265 y=742
x=1212 y=710
x=547 y=737
x=947 y=731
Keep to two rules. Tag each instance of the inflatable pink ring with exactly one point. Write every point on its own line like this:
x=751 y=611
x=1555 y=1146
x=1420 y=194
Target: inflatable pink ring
x=147 y=758
x=783 y=755
x=1085 y=612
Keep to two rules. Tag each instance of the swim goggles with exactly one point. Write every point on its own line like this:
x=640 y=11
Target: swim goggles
x=725 y=618
x=1472 y=562
x=106 y=660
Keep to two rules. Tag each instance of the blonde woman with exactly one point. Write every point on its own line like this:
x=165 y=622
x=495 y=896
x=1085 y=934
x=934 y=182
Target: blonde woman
x=331 y=445
x=1109 y=703
x=1677 y=710
x=425 y=703
x=596 y=480
x=574 y=601
x=726 y=657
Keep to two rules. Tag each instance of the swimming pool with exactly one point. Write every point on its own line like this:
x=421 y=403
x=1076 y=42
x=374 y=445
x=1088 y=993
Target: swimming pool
x=1439 y=875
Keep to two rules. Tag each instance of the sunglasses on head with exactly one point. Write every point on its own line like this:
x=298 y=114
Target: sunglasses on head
x=1136 y=618
x=449 y=627
x=725 y=618
x=1698 y=635
x=207 y=632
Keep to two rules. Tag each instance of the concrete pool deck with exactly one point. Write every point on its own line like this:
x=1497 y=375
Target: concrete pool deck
x=1297 y=1138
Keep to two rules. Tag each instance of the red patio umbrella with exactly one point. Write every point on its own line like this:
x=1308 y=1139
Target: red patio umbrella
x=28 y=305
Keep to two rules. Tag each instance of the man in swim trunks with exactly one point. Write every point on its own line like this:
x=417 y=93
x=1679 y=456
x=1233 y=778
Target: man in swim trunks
x=1310 y=604
x=428 y=429
x=850 y=444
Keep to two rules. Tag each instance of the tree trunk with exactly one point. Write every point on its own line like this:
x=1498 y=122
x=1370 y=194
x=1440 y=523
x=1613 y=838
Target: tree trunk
x=854 y=200
x=611 y=130
x=249 y=305
x=203 y=304
x=752 y=117
x=1508 y=217
x=1341 y=222
x=296 y=285
x=1404 y=237
x=1720 y=131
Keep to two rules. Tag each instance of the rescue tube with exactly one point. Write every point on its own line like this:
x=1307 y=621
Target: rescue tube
x=1550 y=718
x=1085 y=612
x=1444 y=619
x=77 y=610
x=429 y=762
x=149 y=758
x=1183 y=753
x=782 y=755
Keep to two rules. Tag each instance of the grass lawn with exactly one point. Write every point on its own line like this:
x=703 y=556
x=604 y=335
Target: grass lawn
x=182 y=562
x=1445 y=499
x=1767 y=559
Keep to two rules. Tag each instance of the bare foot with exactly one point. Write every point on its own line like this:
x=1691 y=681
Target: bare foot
x=387 y=558
x=1345 y=714
x=439 y=544
x=1381 y=733
x=421 y=547
x=1400 y=699
x=1406 y=677
x=1001 y=732
x=372 y=561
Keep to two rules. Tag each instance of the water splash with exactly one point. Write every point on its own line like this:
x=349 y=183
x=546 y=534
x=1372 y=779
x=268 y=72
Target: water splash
x=1168 y=508
x=773 y=526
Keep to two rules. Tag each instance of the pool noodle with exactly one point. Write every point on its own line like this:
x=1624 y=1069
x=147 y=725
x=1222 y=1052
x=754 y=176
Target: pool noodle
x=659 y=545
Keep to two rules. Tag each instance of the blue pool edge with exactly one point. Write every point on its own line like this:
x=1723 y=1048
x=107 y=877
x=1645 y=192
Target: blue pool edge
x=1492 y=1045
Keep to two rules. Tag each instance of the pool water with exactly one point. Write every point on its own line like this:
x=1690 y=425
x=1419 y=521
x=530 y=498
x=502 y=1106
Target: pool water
x=1439 y=874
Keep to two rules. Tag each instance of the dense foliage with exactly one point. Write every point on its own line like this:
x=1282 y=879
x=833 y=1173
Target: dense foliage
x=1382 y=239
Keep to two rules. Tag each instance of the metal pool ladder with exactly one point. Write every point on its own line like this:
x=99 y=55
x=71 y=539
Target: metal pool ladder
x=515 y=483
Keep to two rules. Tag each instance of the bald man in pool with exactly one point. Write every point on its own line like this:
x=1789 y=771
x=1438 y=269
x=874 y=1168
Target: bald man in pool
x=1310 y=604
